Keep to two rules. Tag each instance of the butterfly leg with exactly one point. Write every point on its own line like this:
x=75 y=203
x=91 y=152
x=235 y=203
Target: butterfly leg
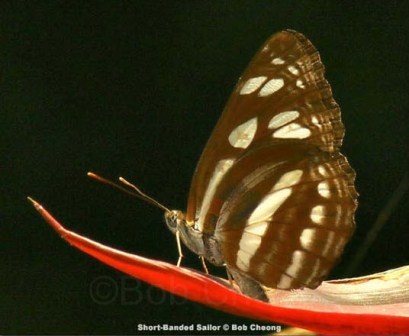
x=179 y=245
x=202 y=259
x=248 y=285
x=229 y=276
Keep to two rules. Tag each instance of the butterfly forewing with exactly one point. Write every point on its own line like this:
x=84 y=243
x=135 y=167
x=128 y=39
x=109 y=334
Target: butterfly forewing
x=304 y=100
x=271 y=185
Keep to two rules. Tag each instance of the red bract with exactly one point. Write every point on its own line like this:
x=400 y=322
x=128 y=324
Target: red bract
x=377 y=304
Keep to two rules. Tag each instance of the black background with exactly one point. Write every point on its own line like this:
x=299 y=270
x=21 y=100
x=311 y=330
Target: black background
x=134 y=89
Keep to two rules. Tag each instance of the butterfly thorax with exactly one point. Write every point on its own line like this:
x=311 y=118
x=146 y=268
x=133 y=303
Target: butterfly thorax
x=202 y=244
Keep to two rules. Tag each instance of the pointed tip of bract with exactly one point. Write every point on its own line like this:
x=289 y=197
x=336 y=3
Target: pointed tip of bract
x=36 y=205
x=48 y=217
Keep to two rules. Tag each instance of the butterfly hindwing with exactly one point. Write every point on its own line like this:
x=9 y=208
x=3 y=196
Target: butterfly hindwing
x=287 y=221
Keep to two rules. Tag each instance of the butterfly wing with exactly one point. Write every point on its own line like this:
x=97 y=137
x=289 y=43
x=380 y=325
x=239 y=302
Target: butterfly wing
x=271 y=184
x=287 y=220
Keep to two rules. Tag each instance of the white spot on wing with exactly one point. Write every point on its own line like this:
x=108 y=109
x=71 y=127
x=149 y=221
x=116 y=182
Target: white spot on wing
x=288 y=179
x=243 y=260
x=273 y=85
x=257 y=229
x=293 y=130
x=252 y=85
x=293 y=70
x=285 y=282
x=249 y=243
x=307 y=238
x=243 y=135
x=277 y=61
x=323 y=189
x=315 y=121
x=278 y=194
x=317 y=214
x=297 y=260
x=322 y=171
x=220 y=170
x=300 y=84
x=283 y=118
x=268 y=206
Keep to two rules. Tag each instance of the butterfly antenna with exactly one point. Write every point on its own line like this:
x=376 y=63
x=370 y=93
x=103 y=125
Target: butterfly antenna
x=136 y=193
x=143 y=196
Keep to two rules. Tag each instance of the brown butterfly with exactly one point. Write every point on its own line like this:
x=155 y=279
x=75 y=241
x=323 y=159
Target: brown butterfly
x=272 y=198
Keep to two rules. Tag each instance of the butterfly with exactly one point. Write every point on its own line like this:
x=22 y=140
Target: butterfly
x=272 y=198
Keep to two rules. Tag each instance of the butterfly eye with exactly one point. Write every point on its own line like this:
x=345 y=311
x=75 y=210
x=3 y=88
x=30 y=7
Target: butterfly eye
x=171 y=218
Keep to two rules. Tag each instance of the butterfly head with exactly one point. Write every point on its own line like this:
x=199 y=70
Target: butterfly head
x=192 y=238
x=174 y=220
